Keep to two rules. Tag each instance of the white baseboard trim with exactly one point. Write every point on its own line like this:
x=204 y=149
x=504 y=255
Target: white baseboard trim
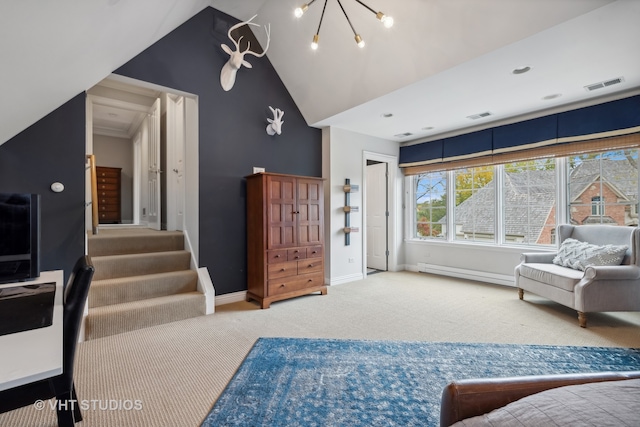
x=481 y=276
x=231 y=298
x=345 y=279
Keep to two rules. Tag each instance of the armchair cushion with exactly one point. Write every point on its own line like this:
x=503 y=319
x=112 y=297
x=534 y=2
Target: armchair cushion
x=552 y=274
x=580 y=255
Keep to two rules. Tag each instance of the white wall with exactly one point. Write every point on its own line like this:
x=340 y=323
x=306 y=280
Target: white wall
x=475 y=261
x=486 y=263
x=343 y=153
x=118 y=153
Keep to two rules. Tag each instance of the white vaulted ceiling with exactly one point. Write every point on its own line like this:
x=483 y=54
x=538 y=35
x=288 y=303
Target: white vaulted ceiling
x=442 y=61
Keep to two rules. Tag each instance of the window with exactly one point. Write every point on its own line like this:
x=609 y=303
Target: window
x=529 y=202
x=603 y=188
x=430 y=193
x=598 y=188
x=597 y=205
x=475 y=203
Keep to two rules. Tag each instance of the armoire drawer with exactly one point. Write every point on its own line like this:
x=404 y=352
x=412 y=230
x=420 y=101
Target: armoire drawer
x=277 y=256
x=296 y=254
x=296 y=283
x=314 y=251
x=282 y=269
x=309 y=265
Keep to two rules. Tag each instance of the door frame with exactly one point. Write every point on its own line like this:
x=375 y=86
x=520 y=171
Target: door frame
x=393 y=206
x=190 y=182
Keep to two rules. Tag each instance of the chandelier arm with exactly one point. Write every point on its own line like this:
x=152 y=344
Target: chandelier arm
x=348 y=20
x=321 y=16
x=373 y=11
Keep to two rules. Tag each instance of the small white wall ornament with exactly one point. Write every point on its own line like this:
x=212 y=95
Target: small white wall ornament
x=275 y=124
x=236 y=58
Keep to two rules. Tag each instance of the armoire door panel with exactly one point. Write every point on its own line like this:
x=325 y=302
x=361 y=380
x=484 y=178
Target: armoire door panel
x=281 y=237
x=310 y=235
x=313 y=213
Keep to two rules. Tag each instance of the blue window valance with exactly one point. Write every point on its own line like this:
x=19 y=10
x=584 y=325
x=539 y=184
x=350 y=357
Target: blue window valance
x=527 y=134
x=614 y=118
x=468 y=145
x=600 y=121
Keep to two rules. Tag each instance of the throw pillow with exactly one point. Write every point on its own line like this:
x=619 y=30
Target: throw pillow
x=580 y=255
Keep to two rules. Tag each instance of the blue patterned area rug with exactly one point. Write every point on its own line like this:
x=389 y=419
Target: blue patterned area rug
x=317 y=382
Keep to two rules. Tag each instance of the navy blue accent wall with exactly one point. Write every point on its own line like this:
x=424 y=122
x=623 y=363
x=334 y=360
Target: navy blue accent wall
x=52 y=150
x=231 y=131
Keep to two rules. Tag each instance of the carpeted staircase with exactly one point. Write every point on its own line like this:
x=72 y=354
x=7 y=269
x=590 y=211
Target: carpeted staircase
x=142 y=278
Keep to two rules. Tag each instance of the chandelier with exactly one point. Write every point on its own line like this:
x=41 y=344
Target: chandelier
x=387 y=21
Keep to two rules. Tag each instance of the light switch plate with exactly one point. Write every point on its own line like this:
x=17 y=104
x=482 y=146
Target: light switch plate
x=257 y=169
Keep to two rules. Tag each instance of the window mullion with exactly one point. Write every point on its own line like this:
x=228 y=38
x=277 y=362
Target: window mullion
x=451 y=206
x=562 y=191
x=499 y=226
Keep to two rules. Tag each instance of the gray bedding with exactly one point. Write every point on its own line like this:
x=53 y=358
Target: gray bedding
x=612 y=403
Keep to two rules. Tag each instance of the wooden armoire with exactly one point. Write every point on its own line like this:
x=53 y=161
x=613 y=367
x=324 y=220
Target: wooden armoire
x=285 y=237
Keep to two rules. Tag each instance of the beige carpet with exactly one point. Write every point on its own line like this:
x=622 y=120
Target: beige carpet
x=178 y=370
x=142 y=279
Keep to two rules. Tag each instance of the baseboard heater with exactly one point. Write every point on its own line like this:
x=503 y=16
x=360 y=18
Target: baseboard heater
x=461 y=273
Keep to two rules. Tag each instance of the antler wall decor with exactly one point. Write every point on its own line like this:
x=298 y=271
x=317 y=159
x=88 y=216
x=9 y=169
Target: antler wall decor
x=236 y=58
x=275 y=124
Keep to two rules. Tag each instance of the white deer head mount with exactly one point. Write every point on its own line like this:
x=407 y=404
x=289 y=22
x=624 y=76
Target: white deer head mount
x=275 y=124
x=236 y=58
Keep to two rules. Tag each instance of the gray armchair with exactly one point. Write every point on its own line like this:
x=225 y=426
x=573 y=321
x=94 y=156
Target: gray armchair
x=598 y=287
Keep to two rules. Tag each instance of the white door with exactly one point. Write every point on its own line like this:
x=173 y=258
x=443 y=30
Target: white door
x=153 y=168
x=175 y=129
x=376 y=211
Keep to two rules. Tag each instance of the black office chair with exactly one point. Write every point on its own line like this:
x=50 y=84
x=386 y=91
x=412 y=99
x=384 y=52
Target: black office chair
x=61 y=386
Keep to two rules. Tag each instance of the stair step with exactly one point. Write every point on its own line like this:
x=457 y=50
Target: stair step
x=136 y=288
x=130 y=316
x=114 y=266
x=133 y=241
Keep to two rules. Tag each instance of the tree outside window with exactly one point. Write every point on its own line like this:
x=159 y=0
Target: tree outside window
x=431 y=205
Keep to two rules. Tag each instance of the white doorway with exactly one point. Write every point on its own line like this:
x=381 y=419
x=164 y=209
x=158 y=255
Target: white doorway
x=381 y=213
x=377 y=212
x=153 y=123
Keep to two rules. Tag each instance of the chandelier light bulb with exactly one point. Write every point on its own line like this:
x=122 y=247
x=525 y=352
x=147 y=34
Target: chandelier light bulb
x=299 y=11
x=387 y=21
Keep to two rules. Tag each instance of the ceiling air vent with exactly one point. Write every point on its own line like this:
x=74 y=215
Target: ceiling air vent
x=604 y=84
x=403 y=135
x=479 y=116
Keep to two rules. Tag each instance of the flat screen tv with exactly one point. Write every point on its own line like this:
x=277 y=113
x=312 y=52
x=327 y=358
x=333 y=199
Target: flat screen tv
x=19 y=237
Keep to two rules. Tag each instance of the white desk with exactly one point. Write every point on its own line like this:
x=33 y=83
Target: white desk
x=36 y=354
